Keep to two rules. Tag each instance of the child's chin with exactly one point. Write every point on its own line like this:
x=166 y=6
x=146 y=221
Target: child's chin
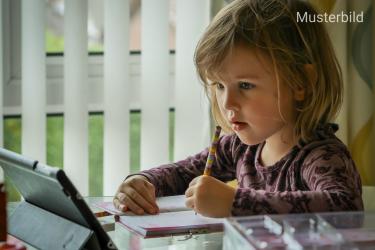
x=248 y=141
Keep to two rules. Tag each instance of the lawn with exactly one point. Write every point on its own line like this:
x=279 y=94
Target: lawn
x=55 y=140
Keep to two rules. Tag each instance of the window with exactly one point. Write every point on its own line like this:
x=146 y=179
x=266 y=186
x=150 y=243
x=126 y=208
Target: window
x=54 y=71
x=55 y=141
x=95 y=25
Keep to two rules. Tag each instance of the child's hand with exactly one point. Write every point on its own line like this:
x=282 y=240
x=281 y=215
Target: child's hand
x=210 y=197
x=136 y=194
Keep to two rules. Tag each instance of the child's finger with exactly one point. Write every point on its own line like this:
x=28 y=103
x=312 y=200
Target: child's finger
x=194 y=181
x=151 y=193
x=116 y=203
x=133 y=206
x=147 y=193
x=189 y=202
x=123 y=208
x=140 y=201
x=189 y=192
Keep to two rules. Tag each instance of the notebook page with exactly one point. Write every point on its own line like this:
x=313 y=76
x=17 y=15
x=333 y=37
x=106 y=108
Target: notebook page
x=172 y=203
x=169 y=223
x=165 y=204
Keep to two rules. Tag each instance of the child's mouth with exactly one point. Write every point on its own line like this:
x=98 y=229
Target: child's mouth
x=237 y=126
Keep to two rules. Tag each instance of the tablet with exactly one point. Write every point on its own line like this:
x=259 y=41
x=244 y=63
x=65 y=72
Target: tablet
x=50 y=189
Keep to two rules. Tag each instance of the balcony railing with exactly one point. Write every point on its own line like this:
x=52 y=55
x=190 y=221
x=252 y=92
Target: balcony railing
x=153 y=81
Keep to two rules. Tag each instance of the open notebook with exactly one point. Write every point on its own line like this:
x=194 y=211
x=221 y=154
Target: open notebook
x=174 y=218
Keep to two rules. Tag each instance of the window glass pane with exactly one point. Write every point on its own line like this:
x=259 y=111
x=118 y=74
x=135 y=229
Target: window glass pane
x=96 y=155
x=55 y=26
x=12 y=141
x=171 y=134
x=55 y=140
x=135 y=141
x=55 y=146
x=95 y=25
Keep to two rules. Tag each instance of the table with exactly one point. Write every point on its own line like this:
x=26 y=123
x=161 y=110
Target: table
x=124 y=239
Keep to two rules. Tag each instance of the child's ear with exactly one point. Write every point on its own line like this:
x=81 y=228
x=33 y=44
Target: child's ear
x=299 y=95
x=311 y=73
x=312 y=77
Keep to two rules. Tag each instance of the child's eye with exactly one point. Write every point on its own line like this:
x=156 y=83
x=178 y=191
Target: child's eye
x=219 y=85
x=246 y=85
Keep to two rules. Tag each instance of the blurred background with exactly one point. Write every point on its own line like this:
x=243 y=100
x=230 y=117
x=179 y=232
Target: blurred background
x=104 y=88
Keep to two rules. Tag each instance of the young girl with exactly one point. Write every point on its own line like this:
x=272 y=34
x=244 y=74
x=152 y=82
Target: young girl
x=274 y=84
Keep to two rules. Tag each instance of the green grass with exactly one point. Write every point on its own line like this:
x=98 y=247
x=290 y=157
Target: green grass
x=55 y=146
x=171 y=135
x=135 y=141
x=55 y=43
x=12 y=141
x=95 y=155
x=55 y=141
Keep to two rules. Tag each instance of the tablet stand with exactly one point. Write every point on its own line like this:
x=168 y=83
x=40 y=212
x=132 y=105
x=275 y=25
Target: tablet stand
x=45 y=230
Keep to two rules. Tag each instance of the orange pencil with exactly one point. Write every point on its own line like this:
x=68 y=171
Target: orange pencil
x=102 y=214
x=212 y=151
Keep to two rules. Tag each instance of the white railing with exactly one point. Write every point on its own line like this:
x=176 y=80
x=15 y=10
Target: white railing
x=75 y=93
x=33 y=87
x=154 y=83
x=118 y=87
x=116 y=94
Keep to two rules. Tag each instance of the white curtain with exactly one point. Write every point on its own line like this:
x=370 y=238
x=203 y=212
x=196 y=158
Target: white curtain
x=353 y=44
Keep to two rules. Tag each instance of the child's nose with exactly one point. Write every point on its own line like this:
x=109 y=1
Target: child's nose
x=230 y=101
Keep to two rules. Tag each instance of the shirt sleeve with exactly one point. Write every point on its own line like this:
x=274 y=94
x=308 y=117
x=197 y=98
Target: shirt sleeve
x=174 y=178
x=332 y=184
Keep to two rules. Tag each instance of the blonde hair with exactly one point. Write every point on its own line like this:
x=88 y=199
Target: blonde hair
x=271 y=26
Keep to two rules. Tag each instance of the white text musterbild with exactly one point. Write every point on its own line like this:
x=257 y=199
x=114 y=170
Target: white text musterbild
x=342 y=17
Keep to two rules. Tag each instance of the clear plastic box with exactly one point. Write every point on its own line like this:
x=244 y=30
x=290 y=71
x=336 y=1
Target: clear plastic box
x=339 y=230
x=255 y=232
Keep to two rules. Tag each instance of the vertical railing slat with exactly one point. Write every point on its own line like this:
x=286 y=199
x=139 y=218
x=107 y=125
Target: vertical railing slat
x=33 y=79
x=75 y=94
x=192 y=113
x=154 y=83
x=116 y=94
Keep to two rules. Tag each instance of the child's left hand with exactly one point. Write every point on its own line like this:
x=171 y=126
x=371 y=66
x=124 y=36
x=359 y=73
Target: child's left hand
x=210 y=197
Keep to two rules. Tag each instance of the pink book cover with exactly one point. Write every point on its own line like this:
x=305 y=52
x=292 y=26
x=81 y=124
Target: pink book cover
x=173 y=218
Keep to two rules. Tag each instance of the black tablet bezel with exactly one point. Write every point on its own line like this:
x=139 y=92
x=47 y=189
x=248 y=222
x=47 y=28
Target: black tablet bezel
x=50 y=189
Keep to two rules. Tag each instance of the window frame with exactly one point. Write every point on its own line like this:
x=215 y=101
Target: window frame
x=54 y=71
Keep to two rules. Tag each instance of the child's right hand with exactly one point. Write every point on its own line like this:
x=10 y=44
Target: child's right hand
x=136 y=194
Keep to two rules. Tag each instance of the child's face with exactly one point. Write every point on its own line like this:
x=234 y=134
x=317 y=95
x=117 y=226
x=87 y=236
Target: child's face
x=248 y=97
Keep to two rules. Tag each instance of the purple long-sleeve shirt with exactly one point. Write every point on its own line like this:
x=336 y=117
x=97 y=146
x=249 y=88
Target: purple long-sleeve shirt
x=314 y=177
